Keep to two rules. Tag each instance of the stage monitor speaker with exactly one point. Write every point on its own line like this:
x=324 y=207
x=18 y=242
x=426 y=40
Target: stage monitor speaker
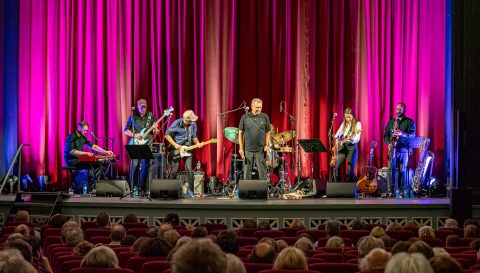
x=340 y=190
x=112 y=188
x=253 y=189
x=461 y=204
x=166 y=188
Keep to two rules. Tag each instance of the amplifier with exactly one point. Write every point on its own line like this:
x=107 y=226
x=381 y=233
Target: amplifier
x=198 y=185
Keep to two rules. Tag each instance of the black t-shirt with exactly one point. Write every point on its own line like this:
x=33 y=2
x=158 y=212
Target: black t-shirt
x=254 y=129
x=407 y=126
x=74 y=142
x=141 y=122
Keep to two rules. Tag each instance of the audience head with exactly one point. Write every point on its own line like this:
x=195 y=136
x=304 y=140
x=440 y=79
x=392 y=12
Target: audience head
x=357 y=225
x=163 y=228
x=130 y=218
x=393 y=226
x=335 y=242
x=400 y=246
x=297 y=223
x=291 y=258
x=83 y=248
x=155 y=247
x=128 y=240
x=22 y=216
x=22 y=246
x=304 y=244
x=199 y=232
x=269 y=241
x=72 y=236
x=200 y=256
x=22 y=229
x=453 y=240
x=262 y=253
x=11 y=261
x=139 y=244
x=408 y=263
x=367 y=243
x=183 y=241
x=470 y=222
x=475 y=244
x=377 y=232
x=445 y=264
x=234 y=264
x=439 y=251
x=422 y=248
x=332 y=228
x=472 y=231
x=58 y=220
x=172 y=219
x=281 y=244
x=118 y=233
x=70 y=224
x=377 y=259
x=100 y=256
x=152 y=232
x=103 y=220
x=228 y=241
x=171 y=236
x=451 y=223
x=306 y=235
x=249 y=223
x=264 y=224
x=409 y=224
x=426 y=232
x=387 y=241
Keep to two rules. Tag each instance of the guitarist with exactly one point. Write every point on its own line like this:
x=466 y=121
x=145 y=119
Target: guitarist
x=139 y=120
x=183 y=132
x=396 y=131
x=346 y=139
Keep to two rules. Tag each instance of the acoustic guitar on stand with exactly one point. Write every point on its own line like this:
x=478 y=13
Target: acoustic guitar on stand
x=368 y=181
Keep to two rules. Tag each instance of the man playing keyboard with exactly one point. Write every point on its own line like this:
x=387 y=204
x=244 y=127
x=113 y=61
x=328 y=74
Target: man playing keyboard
x=74 y=147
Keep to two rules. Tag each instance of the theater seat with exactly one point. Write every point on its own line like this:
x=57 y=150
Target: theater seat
x=211 y=227
x=334 y=267
x=69 y=265
x=259 y=234
x=135 y=263
x=256 y=267
x=155 y=266
x=100 y=270
x=288 y=271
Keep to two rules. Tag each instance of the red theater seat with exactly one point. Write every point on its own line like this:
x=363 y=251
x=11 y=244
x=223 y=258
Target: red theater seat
x=334 y=267
x=92 y=232
x=291 y=232
x=400 y=234
x=211 y=227
x=259 y=234
x=100 y=270
x=288 y=271
x=354 y=235
x=256 y=267
x=244 y=241
x=135 y=263
x=316 y=234
x=155 y=267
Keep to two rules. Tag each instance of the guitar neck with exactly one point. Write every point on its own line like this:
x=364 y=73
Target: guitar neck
x=153 y=126
x=197 y=145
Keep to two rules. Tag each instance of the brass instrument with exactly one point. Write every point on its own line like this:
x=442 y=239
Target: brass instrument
x=422 y=164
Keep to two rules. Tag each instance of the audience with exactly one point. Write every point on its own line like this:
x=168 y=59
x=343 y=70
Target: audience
x=357 y=225
x=57 y=220
x=100 y=256
x=471 y=231
x=163 y=228
x=376 y=260
x=11 y=261
x=422 y=248
x=118 y=234
x=297 y=223
x=103 y=220
x=72 y=236
x=128 y=240
x=182 y=241
x=335 y=242
x=22 y=229
x=393 y=226
x=234 y=264
x=439 y=251
x=199 y=232
x=304 y=244
x=453 y=240
x=228 y=241
x=291 y=258
x=139 y=244
x=22 y=216
x=172 y=219
x=377 y=232
x=408 y=263
x=130 y=218
x=262 y=253
x=451 y=223
x=280 y=245
x=445 y=264
x=367 y=243
x=82 y=248
x=249 y=223
x=332 y=228
x=426 y=232
x=264 y=224
x=155 y=247
x=199 y=256
x=171 y=236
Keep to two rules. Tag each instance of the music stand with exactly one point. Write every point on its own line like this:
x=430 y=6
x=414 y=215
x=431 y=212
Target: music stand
x=140 y=152
x=313 y=145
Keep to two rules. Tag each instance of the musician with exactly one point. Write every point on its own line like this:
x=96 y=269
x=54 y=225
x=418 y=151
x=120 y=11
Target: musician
x=403 y=128
x=183 y=132
x=346 y=139
x=254 y=139
x=74 y=149
x=139 y=120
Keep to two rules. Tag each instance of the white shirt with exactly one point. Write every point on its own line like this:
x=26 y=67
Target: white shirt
x=356 y=136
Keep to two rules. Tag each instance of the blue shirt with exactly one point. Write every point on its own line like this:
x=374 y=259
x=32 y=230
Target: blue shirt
x=180 y=134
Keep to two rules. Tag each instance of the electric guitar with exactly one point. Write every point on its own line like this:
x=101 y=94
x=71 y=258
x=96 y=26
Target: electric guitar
x=175 y=155
x=144 y=132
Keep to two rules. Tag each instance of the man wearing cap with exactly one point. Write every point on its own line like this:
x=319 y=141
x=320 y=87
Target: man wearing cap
x=137 y=121
x=183 y=132
x=254 y=140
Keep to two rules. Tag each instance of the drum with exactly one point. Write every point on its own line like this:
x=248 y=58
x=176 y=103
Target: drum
x=272 y=159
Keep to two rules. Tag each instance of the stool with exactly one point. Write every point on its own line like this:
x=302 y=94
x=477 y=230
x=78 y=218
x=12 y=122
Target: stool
x=70 y=170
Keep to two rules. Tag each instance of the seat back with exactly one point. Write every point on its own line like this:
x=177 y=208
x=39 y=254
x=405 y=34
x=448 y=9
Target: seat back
x=400 y=234
x=334 y=267
x=244 y=241
x=155 y=266
x=211 y=227
x=247 y=232
x=91 y=232
x=68 y=265
x=291 y=232
x=130 y=225
x=288 y=271
x=88 y=225
x=123 y=258
x=100 y=240
x=354 y=235
x=316 y=234
x=434 y=242
x=289 y=240
x=137 y=232
x=256 y=267
x=100 y=270
x=135 y=263
x=259 y=234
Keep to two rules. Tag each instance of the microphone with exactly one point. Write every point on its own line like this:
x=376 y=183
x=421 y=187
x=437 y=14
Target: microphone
x=133 y=108
x=93 y=135
x=281 y=107
x=246 y=108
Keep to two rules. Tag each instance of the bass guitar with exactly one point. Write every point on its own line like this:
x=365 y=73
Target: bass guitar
x=144 y=132
x=368 y=182
x=175 y=155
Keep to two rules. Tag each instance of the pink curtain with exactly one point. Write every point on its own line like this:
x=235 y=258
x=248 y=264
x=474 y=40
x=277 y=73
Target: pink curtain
x=93 y=59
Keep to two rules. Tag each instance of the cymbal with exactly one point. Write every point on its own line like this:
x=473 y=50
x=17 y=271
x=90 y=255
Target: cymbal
x=231 y=133
x=286 y=149
x=284 y=136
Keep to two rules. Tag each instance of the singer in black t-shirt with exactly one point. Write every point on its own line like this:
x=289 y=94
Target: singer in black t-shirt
x=254 y=139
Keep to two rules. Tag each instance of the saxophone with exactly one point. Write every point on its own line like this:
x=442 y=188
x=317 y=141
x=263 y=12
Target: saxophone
x=393 y=139
x=418 y=176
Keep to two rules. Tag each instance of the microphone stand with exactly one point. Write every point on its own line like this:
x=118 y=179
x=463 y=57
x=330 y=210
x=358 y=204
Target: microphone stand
x=223 y=115
x=292 y=119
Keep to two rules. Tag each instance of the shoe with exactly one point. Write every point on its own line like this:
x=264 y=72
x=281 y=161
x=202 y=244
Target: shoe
x=189 y=194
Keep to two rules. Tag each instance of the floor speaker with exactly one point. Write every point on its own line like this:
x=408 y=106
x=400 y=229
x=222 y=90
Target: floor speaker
x=253 y=189
x=112 y=188
x=340 y=190
x=198 y=182
x=461 y=204
x=166 y=188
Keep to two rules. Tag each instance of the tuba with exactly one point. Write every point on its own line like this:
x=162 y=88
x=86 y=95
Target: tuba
x=422 y=164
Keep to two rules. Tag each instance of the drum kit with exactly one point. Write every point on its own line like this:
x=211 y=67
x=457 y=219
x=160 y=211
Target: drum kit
x=275 y=157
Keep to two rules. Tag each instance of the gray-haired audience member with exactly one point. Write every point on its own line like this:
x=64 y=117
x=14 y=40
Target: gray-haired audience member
x=199 y=256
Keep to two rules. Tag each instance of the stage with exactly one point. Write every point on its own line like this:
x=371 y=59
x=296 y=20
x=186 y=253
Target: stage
x=231 y=211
